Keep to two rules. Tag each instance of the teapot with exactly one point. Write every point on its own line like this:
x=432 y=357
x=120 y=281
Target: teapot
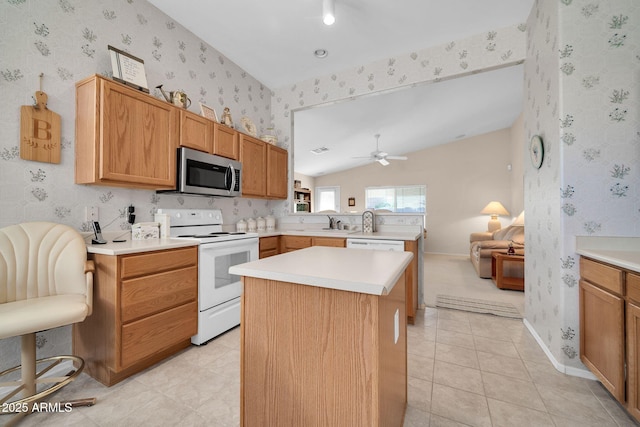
x=177 y=98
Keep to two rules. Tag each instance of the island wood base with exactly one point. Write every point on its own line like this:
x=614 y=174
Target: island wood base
x=313 y=356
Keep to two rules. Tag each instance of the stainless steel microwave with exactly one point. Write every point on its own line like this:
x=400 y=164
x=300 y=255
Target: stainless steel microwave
x=207 y=174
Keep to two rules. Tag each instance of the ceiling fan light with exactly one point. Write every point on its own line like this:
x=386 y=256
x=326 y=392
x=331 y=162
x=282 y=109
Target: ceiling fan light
x=328 y=12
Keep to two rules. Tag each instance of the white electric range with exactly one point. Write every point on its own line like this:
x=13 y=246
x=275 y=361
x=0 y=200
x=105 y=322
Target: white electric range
x=218 y=291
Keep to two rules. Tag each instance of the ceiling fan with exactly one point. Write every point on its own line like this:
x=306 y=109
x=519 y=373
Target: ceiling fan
x=380 y=156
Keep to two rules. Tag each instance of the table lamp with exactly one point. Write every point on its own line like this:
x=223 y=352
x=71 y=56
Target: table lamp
x=494 y=209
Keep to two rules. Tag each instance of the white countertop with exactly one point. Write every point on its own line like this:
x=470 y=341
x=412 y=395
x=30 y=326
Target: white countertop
x=623 y=252
x=134 y=246
x=378 y=235
x=354 y=270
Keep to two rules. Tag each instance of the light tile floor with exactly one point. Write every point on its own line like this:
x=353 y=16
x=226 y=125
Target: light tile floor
x=465 y=369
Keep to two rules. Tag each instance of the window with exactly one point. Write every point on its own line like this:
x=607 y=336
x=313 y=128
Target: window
x=327 y=199
x=410 y=198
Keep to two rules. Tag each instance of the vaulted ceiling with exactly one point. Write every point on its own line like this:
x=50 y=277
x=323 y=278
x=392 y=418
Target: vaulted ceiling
x=274 y=41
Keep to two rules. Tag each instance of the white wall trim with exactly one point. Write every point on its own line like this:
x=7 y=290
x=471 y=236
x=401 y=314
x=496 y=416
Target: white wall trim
x=569 y=370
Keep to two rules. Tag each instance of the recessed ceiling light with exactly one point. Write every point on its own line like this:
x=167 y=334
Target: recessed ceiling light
x=319 y=150
x=321 y=53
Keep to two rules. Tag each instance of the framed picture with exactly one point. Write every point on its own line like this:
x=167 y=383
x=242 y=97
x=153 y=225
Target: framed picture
x=128 y=69
x=208 y=112
x=352 y=201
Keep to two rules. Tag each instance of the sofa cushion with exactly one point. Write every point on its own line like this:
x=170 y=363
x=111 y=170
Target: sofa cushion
x=515 y=233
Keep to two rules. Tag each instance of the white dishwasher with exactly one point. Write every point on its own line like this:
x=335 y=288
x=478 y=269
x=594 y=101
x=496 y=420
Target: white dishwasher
x=376 y=244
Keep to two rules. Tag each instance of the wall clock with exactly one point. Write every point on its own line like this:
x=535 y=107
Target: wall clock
x=536 y=151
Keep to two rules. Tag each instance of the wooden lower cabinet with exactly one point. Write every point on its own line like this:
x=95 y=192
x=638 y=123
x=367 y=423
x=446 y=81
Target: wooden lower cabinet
x=269 y=246
x=602 y=336
x=633 y=359
x=334 y=242
x=145 y=308
x=293 y=243
x=411 y=276
x=610 y=329
x=322 y=357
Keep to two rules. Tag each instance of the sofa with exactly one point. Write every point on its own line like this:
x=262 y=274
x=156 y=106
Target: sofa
x=484 y=243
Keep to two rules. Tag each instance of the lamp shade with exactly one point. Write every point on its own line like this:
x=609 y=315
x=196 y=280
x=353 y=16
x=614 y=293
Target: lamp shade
x=519 y=221
x=494 y=209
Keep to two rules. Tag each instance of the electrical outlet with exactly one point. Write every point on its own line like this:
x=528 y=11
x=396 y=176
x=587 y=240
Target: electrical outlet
x=91 y=213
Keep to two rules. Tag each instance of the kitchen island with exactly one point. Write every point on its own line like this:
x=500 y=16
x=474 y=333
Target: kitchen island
x=323 y=338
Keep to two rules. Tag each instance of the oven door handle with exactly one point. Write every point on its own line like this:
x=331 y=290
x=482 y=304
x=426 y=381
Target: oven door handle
x=231 y=170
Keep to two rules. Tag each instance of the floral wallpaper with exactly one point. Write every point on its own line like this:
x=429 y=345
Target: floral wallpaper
x=67 y=40
x=581 y=97
x=581 y=78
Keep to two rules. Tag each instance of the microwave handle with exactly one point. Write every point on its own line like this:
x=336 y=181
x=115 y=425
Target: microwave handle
x=233 y=178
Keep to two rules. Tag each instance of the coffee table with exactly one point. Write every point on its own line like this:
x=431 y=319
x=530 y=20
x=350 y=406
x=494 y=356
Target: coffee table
x=498 y=259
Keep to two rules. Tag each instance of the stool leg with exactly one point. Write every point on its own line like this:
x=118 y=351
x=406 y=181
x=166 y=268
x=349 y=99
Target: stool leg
x=29 y=364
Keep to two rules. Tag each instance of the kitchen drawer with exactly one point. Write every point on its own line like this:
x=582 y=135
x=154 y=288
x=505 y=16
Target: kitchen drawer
x=147 y=336
x=330 y=241
x=268 y=252
x=269 y=243
x=296 y=242
x=151 y=294
x=633 y=287
x=153 y=262
x=602 y=275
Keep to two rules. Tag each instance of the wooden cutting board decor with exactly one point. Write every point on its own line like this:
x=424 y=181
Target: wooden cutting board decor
x=39 y=132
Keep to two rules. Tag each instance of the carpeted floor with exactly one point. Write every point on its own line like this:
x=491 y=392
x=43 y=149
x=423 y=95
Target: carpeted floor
x=451 y=281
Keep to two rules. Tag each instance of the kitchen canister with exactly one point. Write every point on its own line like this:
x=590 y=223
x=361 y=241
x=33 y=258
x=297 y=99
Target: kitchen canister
x=271 y=223
x=262 y=223
x=368 y=222
x=252 y=225
x=241 y=226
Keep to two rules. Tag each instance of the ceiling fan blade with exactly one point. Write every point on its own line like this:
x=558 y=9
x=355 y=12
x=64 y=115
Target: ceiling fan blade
x=397 y=157
x=383 y=161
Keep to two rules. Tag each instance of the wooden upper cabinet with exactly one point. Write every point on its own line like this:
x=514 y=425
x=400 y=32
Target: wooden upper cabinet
x=277 y=172
x=225 y=142
x=196 y=131
x=253 y=156
x=124 y=137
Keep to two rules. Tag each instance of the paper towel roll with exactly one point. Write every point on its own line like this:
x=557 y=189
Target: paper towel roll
x=164 y=221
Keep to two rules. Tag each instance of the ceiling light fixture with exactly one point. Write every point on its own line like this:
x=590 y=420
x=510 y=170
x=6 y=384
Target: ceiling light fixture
x=321 y=53
x=328 y=12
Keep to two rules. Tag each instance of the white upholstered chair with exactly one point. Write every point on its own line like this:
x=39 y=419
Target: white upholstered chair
x=46 y=281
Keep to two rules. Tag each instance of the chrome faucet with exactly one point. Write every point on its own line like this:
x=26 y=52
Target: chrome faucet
x=332 y=223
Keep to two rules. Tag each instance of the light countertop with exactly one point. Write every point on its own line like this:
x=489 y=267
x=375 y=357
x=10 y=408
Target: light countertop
x=344 y=234
x=623 y=252
x=134 y=246
x=354 y=270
